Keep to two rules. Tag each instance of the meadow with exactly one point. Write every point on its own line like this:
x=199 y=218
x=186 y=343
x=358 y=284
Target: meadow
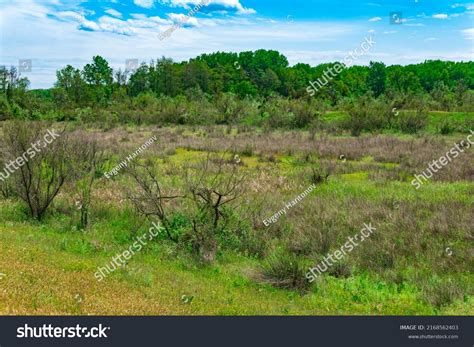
x=218 y=257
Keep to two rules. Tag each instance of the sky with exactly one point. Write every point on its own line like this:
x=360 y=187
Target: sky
x=42 y=36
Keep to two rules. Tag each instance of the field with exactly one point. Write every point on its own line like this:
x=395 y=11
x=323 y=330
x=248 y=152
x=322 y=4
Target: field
x=416 y=262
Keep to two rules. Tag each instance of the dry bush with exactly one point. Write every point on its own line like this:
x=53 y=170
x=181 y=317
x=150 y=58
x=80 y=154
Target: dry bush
x=44 y=172
x=441 y=293
x=88 y=161
x=149 y=197
x=213 y=184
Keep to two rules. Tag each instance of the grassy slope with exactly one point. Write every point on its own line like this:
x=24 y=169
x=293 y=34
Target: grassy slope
x=42 y=278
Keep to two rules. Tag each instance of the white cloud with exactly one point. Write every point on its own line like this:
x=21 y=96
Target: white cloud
x=113 y=12
x=390 y=32
x=468 y=6
x=144 y=3
x=184 y=20
x=216 y=5
x=34 y=39
x=375 y=19
x=468 y=33
x=70 y=16
x=54 y=39
x=440 y=16
x=133 y=26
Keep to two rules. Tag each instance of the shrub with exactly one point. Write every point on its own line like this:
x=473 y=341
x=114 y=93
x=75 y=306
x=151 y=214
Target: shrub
x=148 y=197
x=277 y=113
x=340 y=270
x=5 y=111
x=320 y=174
x=6 y=188
x=442 y=293
x=39 y=181
x=88 y=166
x=85 y=115
x=446 y=128
x=212 y=185
x=248 y=150
x=412 y=123
x=285 y=270
x=303 y=114
x=367 y=114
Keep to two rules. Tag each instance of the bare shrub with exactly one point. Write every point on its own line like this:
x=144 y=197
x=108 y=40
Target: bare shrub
x=89 y=160
x=150 y=199
x=212 y=184
x=39 y=180
x=6 y=188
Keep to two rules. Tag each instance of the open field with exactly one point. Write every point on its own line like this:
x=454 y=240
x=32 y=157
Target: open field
x=416 y=262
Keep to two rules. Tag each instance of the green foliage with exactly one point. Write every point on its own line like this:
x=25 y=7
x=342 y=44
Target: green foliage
x=98 y=73
x=376 y=78
x=412 y=122
x=252 y=88
x=368 y=114
x=5 y=111
x=446 y=128
x=283 y=269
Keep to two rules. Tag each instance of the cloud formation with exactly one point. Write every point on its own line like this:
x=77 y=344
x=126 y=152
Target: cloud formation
x=214 y=5
x=468 y=33
x=54 y=33
x=113 y=12
x=375 y=19
x=144 y=3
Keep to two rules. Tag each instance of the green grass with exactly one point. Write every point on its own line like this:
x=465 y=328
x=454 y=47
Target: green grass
x=460 y=121
x=49 y=265
x=42 y=277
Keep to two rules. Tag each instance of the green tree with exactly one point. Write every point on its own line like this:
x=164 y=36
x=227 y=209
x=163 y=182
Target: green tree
x=71 y=82
x=99 y=76
x=376 y=78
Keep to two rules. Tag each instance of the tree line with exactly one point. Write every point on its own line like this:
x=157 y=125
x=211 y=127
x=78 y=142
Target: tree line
x=221 y=81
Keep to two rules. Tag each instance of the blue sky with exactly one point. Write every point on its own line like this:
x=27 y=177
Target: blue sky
x=53 y=33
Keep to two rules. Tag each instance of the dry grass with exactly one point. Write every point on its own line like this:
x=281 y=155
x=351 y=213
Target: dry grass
x=369 y=184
